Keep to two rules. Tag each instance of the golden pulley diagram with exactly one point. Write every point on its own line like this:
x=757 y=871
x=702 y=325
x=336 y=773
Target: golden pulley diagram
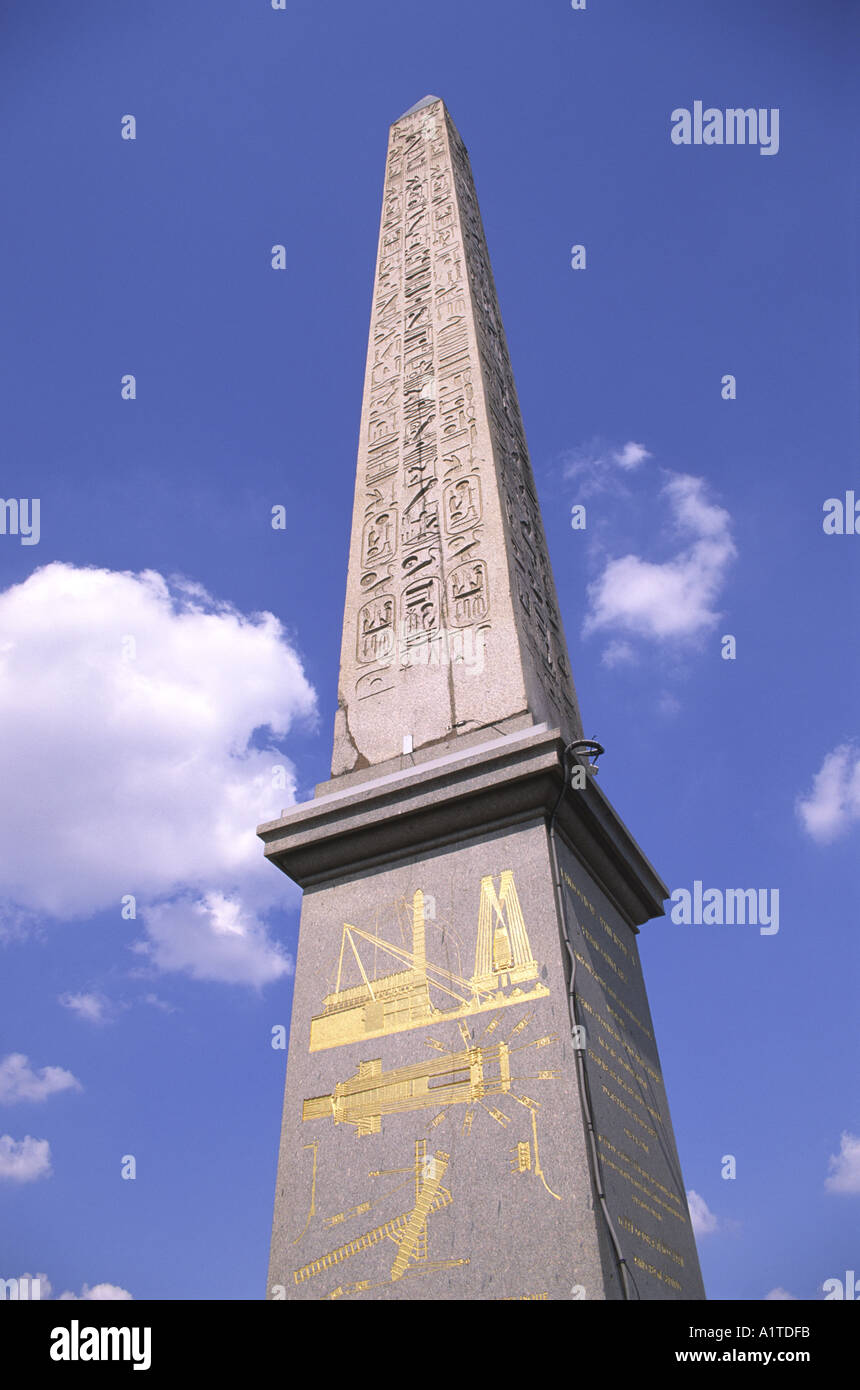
x=423 y=993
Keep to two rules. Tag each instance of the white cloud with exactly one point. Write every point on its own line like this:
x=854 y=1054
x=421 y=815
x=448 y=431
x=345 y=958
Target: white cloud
x=595 y=465
x=24 y=1160
x=618 y=654
x=98 y=1293
x=780 y=1293
x=844 y=1176
x=833 y=805
x=213 y=939
x=674 y=598
x=702 y=1219
x=156 y=1003
x=93 y=1008
x=631 y=455
x=18 y=1081
x=155 y=745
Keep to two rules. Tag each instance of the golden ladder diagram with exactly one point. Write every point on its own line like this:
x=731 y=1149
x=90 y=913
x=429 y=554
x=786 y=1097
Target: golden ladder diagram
x=408 y=1231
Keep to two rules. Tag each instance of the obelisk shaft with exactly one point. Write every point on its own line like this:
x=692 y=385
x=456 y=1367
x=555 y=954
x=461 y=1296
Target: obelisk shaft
x=451 y=621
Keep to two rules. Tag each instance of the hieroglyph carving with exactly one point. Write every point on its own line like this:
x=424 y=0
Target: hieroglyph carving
x=422 y=489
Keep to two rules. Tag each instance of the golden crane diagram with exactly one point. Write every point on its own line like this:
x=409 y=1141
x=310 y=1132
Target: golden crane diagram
x=505 y=973
x=408 y=1231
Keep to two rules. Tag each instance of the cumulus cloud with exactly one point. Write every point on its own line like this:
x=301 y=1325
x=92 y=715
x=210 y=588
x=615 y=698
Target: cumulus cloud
x=157 y=710
x=833 y=805
x=631 y=455
x=215 y=938
x=99 y=1293
x=702 y=1219
x=595 y=466
x=96 y=1293
x=24 y=1160
x=618 y=654
x=18 y=1080
x=675 y=598
x=780 y=1293
x=844 y=1176
x=92 y=1008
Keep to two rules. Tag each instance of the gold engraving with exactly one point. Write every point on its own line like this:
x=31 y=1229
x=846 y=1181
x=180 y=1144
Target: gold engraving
x=652 y=1196
x=586 y=964
x=408 y=1231
x=538 y=1169
x=505 y=973
x=521 y=1160
x=311 y=1210
x=654 y=1242
x=622 y=1105
x=498 y=1115
x=524 y=1298
x=461 y=1078
x=457 y=1077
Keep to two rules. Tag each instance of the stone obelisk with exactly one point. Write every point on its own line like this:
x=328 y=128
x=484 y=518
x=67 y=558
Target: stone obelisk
x=474 y=1107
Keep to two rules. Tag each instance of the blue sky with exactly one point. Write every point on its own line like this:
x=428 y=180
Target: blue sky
x=142 y=768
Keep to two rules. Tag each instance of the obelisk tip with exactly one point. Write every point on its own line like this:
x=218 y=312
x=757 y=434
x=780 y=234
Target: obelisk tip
x=419 y=106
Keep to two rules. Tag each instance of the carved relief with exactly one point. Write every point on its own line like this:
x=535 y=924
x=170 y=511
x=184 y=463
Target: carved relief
x=462 y=503
x=448 y=268
x=376 y=631
x=375 y=682
x=376 y=581
x=420 y=528
x=386 y=358
x=458 y=458
x=381 y=460
x=392 y=207
x=382 y=424
x=420 y=608
x=440 y=185
x=379 y=538
x=468 y=594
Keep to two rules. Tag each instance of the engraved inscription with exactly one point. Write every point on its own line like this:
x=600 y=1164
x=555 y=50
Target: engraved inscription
x=376 y=630
x=468 y=598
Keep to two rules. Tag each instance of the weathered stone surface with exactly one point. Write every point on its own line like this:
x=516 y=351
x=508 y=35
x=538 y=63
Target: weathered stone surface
x=451 y=622
x=474 y=1106
x=441 y=1115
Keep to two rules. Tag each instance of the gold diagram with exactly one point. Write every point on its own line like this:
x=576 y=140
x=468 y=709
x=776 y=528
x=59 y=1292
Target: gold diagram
x=505 y=973
x=312 y=1208
x=459 y=1078
x=408 y=1231
x=521 y=1156
x=466 y=1076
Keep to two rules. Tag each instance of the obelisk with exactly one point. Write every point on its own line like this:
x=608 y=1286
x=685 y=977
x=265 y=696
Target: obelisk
x=474 y=1106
